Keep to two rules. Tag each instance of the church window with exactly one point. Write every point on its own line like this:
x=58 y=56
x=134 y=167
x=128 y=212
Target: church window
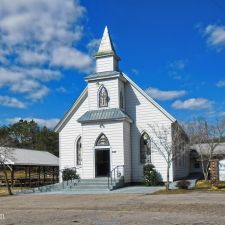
x=102 y=141
x=145 y=148
x=103 y=97
x=79 y=151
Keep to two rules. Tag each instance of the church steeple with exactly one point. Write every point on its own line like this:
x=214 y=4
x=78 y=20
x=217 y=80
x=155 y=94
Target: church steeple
x=106 y=57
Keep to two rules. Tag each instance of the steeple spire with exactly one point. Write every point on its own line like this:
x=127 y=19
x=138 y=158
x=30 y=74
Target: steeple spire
x=106 y=57
x=106 y=43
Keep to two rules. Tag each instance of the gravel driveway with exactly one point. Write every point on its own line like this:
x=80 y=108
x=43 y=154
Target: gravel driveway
x=116 y=209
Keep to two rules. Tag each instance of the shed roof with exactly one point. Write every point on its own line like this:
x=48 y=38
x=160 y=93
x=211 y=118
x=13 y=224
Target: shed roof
x=32 y=157
x=103 y=115
x=204 y=149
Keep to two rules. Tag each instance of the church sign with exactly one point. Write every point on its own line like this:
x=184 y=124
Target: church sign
x=222 y=170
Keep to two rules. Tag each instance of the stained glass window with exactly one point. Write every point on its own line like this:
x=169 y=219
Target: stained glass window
x=145 y=149
x=79 y=151
x=102 y=141
x=103 y=97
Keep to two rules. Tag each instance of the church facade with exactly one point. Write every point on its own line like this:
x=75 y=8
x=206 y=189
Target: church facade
x=108 y=126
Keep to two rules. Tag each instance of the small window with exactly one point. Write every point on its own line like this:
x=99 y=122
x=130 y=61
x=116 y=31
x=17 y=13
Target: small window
x=79 y=152
x=145 y=148
x=102 y=141
x=103 y=97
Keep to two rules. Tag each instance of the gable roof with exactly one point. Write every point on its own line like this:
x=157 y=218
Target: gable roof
x=150 y=99
x=20 y=156
x=114 y=114
x=72 y=110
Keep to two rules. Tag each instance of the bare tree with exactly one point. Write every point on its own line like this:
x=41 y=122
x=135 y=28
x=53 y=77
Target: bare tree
x=170 y=142
x=6 y=154
x=206 y=137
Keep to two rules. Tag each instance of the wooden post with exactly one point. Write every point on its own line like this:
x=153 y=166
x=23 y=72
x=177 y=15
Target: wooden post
x=44 y=174
x=26 y=171
x=53 y=174
x=29 y=176
x=12 y=177
x=39 y=176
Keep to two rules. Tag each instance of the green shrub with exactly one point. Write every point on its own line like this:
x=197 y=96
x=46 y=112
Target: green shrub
x=183 y=184
x=70 y=174
x=150 y=175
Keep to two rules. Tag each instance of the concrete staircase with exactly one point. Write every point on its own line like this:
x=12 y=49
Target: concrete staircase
x=97 y=185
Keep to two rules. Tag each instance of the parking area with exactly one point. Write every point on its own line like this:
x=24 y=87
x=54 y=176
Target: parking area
x=194 y=208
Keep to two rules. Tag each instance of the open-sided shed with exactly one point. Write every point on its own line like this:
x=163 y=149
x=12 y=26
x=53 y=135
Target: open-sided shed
x=32 y=167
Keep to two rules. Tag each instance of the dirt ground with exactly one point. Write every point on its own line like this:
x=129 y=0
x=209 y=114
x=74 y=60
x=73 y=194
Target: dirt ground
x=114 y=209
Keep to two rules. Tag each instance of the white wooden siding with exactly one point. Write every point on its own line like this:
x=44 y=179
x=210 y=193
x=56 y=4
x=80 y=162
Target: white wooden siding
x=143 y=113
x=124 y=138
x=114 y=133
x=113 y=92
x=68 y=136
x=127 y=152
x=105 y=64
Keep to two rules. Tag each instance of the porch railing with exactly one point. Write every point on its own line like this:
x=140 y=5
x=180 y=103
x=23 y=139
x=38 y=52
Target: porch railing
x=115 y=174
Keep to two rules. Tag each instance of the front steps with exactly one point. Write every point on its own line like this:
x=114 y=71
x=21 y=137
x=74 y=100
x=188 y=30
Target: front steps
x=97 y=185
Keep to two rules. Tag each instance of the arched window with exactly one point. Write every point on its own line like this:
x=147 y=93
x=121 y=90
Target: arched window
x=79 y=151
x=145 y=148
x=103 y=97
x=121 y=100
x=102 y=141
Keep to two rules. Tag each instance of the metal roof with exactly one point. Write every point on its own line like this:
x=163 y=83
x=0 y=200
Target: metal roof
x=19 y=156
x=103 y=75
x=103 y=115
x=204 y=149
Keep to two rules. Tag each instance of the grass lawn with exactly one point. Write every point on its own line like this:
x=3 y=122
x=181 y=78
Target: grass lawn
x=4 y=190
x=201 y=184
x=172 y=191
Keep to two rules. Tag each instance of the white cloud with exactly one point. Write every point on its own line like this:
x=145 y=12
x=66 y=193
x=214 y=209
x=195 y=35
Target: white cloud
x=176 y=68
x=32 y=58
x=178 y=64
x=40 y=20
x=43 y=74
x=19 y=82
x=135 y=71
x=215 y=35
x=193 y=104
x=164 y=95
x=222 y=114
x=221 y=83
x=50 y=123
x=71 y=58
x=39 y=39
x=93 y=46
x=11 y=102
x=61 y=90
x=39 y=93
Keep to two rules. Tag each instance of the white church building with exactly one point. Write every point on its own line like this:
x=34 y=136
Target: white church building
x=107 y=129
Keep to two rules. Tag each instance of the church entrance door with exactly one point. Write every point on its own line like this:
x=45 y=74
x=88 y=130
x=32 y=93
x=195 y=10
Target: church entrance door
x=102 y=162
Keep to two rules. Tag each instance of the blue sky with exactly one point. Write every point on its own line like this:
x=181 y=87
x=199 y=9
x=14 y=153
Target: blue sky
x=175 y=50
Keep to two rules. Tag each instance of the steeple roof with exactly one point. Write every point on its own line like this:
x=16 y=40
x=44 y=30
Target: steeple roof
x=106 y=46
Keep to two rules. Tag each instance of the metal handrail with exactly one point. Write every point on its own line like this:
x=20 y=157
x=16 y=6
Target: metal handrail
x=114 y=174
